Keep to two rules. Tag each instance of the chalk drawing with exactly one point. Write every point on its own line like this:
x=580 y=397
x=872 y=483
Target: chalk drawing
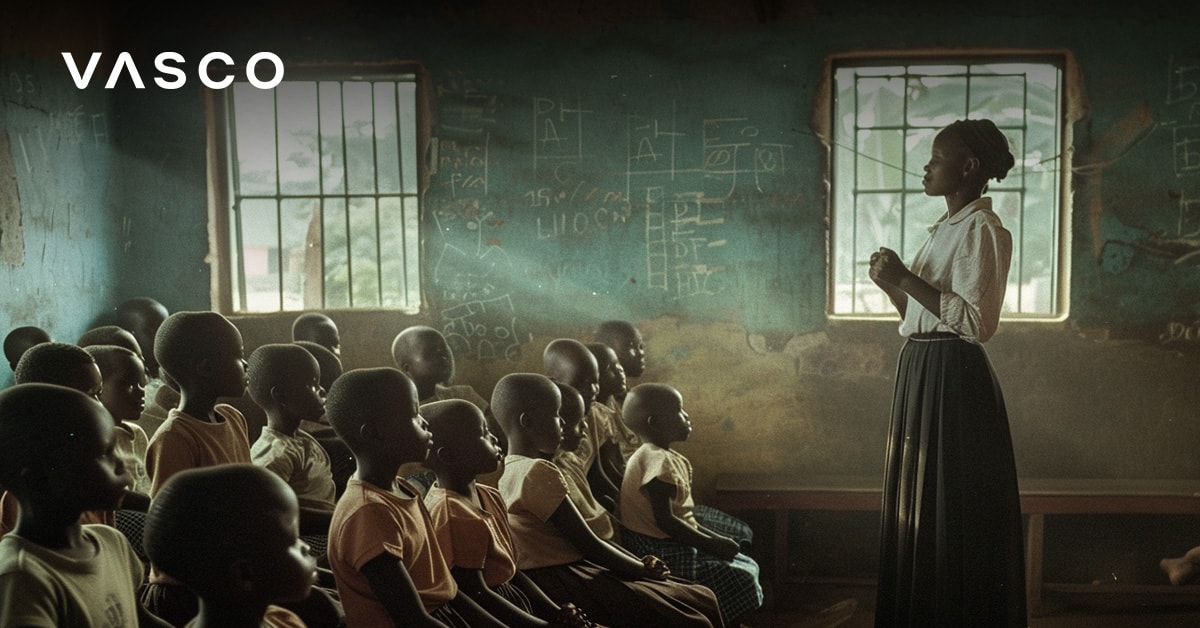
x=478 y=318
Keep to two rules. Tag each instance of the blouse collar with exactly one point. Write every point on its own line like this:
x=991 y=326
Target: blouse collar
x=981 y=203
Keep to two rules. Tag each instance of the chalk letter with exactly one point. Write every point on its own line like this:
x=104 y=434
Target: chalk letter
x=207 y=59
x=160 y=63
x=253 y=77
x=81 y=81
x=124 y=60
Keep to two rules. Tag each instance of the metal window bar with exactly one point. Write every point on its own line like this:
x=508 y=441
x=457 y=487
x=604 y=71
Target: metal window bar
x=347 y=196
x=235 y=176
x=278 y=198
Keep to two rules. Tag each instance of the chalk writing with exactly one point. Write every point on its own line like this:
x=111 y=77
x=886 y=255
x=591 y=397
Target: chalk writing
x=677 y=244
x=467 y=110
x=1185 y=144
x=464 y=166
x=557 y=131
x=1180 y=333
x=1183 y=80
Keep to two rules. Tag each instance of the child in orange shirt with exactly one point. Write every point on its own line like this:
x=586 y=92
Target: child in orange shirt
x=472 y=522
x=383 y=551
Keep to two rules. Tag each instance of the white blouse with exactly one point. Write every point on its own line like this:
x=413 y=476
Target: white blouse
x=966 y=258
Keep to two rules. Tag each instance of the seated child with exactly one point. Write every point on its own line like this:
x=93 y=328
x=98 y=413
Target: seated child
x=19 y=340
x=569 y=362
x=422 y=354
x=142 y=317
x=284 y=382
x=471 y=520
x=67 y=365
x=626 y=341
x=621 y=441
x=110 y=335
x=341 y=461
x=599 y=519
x=56 y=456
x=230 y=533
x=383 y=551
x=202 y=353
x=555 y=546
x=656 y=505
x=123 y=393
x=318 y=328
x=331 y=368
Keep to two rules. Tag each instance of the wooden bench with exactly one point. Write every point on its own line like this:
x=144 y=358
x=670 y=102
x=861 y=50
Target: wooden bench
x=782 y=494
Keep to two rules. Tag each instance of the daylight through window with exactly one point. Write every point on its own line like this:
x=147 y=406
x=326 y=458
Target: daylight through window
x=885 y=116
x=324 y=195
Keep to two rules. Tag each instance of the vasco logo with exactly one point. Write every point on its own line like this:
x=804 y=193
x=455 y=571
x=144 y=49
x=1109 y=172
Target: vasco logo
x=170 y=75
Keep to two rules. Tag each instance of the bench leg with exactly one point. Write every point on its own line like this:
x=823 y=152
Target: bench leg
x=1034 y=549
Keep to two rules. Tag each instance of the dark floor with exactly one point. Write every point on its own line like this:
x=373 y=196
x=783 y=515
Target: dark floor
x=826 y=606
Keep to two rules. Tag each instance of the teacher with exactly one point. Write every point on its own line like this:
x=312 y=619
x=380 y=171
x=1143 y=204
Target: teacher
x=951 y=550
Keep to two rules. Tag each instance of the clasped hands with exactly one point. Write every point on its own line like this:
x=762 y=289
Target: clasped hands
x=886 y=267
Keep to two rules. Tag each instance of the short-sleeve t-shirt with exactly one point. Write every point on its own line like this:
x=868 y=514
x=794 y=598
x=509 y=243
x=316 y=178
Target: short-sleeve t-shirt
x=474 y=537
x=301 y=461
x=369 y=521
x=42 y=587
x=533 y=489
x=651 y=462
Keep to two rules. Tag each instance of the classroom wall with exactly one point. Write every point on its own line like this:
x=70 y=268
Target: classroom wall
x=567 y=130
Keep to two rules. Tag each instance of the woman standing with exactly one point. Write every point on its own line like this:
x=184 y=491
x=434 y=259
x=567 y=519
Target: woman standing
x=951 y=552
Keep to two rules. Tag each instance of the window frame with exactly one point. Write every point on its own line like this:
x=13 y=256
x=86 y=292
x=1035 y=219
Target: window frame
x=221 y=170
x=1071 y=108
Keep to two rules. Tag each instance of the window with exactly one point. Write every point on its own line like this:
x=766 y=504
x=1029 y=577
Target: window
x=885 y=115
x=318 y=199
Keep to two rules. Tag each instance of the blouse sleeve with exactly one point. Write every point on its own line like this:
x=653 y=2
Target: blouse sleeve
x=979 y=277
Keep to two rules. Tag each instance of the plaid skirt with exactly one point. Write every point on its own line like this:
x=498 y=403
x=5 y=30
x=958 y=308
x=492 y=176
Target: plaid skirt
x=734 y=582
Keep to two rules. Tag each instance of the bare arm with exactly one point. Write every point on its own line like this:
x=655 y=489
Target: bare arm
x=543 y=606
x=570 y=523
x=394 y=588
x=660 y=494
x=471 y=583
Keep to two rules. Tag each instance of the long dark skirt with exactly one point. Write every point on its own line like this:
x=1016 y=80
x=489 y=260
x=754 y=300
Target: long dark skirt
x=951 y=550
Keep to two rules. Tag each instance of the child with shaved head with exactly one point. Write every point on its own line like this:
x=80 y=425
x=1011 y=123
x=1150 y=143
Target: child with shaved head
x=230 y=533
x=570 y=362
x=19 y=340
x=318 y=328
x=472 y=524
x=56 y=457
x=555 y=546
x=383 y=550
x=67 y=365
x=284 y=380
x=656 y=505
